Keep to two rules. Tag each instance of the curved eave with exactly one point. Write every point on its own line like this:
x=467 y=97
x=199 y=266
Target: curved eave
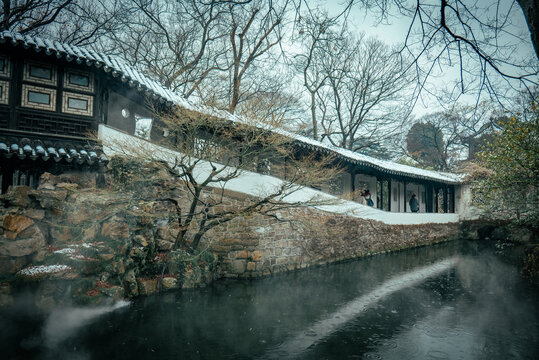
x=375 y=166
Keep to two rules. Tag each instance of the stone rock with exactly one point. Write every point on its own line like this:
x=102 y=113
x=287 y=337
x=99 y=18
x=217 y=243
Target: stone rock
x=251 y=266
x=140 y=240
x=116 y=292
x=90 y=233
x=163 y=233
x=36 y=214
x=169 y=283
x=191 y=278
x=46 y=186
x=115 y=229
x=164 y=245
x=19 y=196
x=67 y=186
x=83 y=180
x=50 y=199
x=131 y=286
x=118 y=267
x=147 y=286
x=10 y=265
x=32 y=240
x=61 y=235
x=521 y=235
x=244 y=254
x=106 y=257
x=257 y=255
x=237 y=267
x=40 y=255
x=47 y=177
x=14 y=224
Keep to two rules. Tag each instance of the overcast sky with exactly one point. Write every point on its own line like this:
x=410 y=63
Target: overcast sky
x=393 y=32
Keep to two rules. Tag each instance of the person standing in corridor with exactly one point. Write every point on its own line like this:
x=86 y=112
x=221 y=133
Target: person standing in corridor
x=414 y=204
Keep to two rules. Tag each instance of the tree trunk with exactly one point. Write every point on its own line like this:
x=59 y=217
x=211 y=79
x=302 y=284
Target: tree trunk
x=530 y=8
x=313 y=116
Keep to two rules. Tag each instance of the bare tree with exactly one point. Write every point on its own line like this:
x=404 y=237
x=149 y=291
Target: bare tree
x=214 y=50
x=81 y=22
x=175 y=42
x=362 y=102
x=316 y=35
x=29 y=15
x=256 y=29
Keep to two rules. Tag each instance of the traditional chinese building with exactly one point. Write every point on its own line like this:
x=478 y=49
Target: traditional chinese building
x=53 y=96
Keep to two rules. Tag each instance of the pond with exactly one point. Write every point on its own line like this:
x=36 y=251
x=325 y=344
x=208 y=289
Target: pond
x=457 y=300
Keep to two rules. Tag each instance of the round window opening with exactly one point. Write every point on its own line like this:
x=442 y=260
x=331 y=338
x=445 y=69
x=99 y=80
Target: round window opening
x=125 y=113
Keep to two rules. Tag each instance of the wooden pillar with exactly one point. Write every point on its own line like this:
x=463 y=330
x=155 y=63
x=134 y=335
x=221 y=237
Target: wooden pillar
x=445 y=199
x=452 y=209
x=404 y=196
x=389 y=194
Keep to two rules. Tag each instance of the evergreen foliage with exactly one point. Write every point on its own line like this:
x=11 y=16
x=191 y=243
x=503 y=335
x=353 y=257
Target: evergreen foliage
x=510 y=190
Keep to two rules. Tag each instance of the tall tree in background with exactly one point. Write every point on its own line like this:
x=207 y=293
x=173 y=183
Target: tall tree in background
x=317 y=37
x=443 y=139
x=365 y=94
x=255 y=30
x=425 y=144
x=29 y=15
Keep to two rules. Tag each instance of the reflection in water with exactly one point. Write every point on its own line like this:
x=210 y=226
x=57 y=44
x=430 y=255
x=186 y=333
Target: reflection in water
x=453 y=301
x=294 y=347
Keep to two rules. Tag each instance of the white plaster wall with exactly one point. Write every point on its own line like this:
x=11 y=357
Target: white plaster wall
x=394 y=196
x=463 y=204
x=116 y=142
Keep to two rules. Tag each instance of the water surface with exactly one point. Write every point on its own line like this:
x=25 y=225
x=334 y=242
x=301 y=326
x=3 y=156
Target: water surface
x=458 y=300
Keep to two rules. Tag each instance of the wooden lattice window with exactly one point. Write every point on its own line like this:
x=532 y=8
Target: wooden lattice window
x=5 y=67
x=37 y=97
x=77 y=104
x=4 y=92
x=78 y=80
x=40 y=73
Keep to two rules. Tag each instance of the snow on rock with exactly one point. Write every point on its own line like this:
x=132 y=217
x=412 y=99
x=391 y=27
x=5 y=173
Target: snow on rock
x=43 y=269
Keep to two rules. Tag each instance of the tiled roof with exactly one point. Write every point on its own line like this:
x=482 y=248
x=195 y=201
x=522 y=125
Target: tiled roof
x=127 y=74
x=24 y=148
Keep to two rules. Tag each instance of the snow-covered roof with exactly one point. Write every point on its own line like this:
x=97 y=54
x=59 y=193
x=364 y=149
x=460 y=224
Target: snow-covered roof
x=127 y=74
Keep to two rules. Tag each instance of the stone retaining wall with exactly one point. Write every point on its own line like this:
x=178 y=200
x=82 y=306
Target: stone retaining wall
x=259 y=245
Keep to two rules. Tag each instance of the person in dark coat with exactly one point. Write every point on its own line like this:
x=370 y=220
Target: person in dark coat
x=368 y=198
x=414 y=204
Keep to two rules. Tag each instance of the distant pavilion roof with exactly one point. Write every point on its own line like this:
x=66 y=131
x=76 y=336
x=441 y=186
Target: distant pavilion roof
x=127 y=74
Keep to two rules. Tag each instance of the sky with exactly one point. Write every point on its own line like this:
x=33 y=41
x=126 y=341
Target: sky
x=394 y=30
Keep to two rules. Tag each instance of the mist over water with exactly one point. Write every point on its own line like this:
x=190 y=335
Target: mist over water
x=452 y=301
